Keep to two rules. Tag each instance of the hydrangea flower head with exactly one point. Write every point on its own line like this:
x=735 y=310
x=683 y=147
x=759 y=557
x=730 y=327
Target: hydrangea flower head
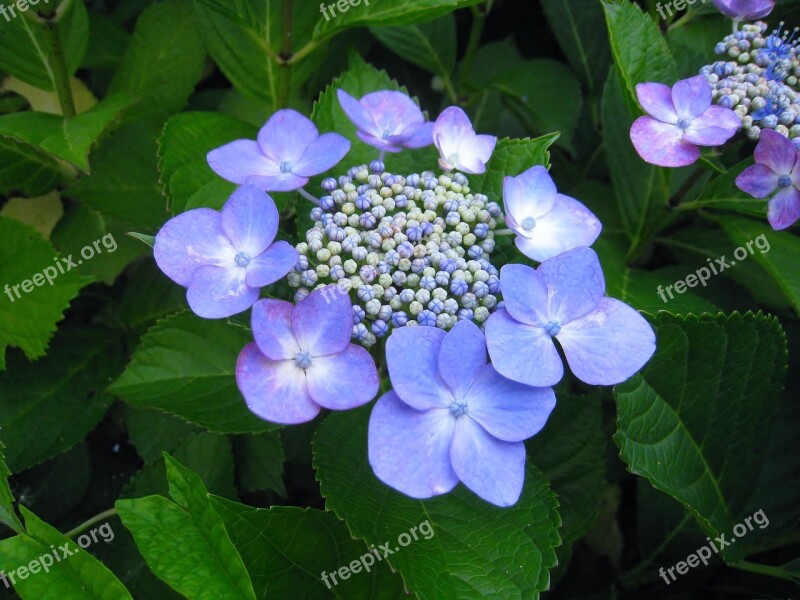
x=745 y=10
x=459 y=146
x=604 y=340
x=388 y=120
x=777 y=168
x=678 y=121
x=302 y=360
x=452 y=417
x=407 y=249
x=288 y=151
x=758 y=79
x=225 y=257
x=546 y=223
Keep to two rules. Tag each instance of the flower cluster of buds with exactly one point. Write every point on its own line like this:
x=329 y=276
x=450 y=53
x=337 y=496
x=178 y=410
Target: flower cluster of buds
x=408 y=250
x=759 y=79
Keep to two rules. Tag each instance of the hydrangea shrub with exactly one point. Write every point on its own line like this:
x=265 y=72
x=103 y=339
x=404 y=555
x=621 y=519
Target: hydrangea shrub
x=410 y=299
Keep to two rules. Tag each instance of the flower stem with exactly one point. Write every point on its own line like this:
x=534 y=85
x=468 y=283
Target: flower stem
x=381 y=155
x=676 y=199
x=308 y=196
x=475 y=34
x=61 y=78
x=95 y=519
x=285 y=67
x=750 y=567
x=504 y=232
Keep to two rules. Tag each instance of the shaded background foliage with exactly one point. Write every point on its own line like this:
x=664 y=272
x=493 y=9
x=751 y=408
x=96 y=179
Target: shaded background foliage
x=112 y=394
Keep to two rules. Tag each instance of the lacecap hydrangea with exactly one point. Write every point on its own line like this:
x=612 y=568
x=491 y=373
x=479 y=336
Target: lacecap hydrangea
x=754 y=88
x=403 y=263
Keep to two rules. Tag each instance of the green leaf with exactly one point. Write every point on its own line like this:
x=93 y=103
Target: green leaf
x=66 y=138
x=554 y=105
x=722 y=193
x=7 y=513
x=186 y=366
x=81 y=226
x=642 y=289
x=574 y=23
x=153 y=432
x=243 y=38
x=187 y=489
x=639 y=50
x=360 y=79
x=477 y=551
x=149 y=296
x=184 y=144
x=692 y=422
x=124 y=182
x=163 y=62
x=778 y=258
x=260 y=461
x=26 y=47
x=640 y=194
x=49 y=406
x=431 y=46
x=28 y=321
x=189 y=551
x=288 y=548
x=25 y=171
x=207 y=454
x=78 y=575
x=570 y=452
x=373 y=13
x=510 y=158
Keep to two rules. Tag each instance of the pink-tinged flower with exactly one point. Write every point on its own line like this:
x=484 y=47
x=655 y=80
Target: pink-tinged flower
x=302 y=360
x=388 y=120
x=680 y=119
x=777 y=168
x=745 y=10
x=605 y=341
x=225 y=258
x=459 y=146
x=288 y=151
x=546 y=223
x=451 y=417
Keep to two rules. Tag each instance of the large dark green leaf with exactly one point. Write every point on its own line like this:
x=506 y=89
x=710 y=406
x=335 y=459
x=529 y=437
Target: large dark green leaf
x=692 y=422
x=7 y=513
x=431 y=46
x=285 y=547
x=184 y=144
x=163 y=62
x=42 y=416
x=186 y=366
x=477 y=551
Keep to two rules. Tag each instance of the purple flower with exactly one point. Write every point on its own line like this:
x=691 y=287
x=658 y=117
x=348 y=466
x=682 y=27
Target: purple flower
x=224 y=258
x=745 y=10
x=604 y=340
x=387 y=120
x=681 y=119
x=451 y=417
x=459 y=146
x=546 y=223
x=289 y=150
x=777 y=167
x=302 y=360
